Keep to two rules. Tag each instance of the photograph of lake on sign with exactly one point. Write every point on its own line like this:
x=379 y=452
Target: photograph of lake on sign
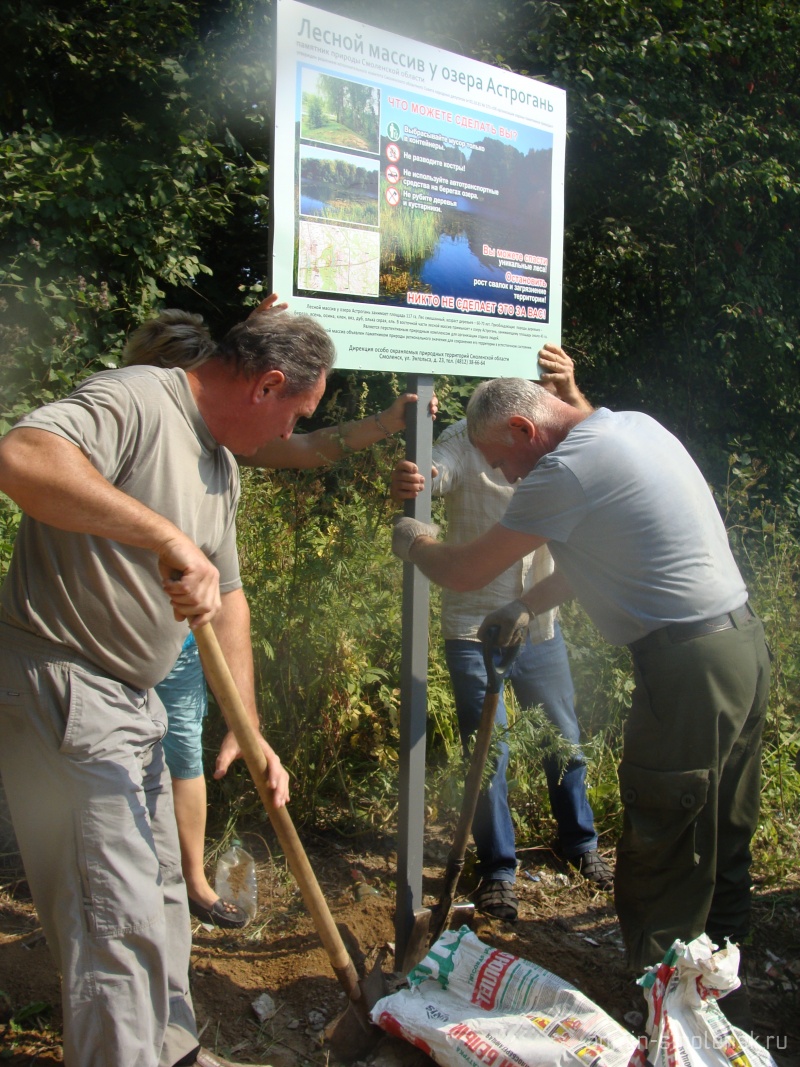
x=338 y=186
x=473 y=218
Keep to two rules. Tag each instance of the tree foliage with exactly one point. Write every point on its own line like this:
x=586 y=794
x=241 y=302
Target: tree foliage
x=353 y=104
x=339 y=173
x=134 y=160
x=683 y=200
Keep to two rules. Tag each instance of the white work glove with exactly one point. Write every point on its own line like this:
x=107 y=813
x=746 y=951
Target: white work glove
x=512 y=621
x=405 y=533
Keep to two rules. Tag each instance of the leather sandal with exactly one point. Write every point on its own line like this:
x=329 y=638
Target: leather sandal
x=594 y=869
x=496 y=897
x=221 y=913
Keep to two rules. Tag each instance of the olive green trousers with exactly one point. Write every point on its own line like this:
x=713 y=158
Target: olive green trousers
x=690 y=785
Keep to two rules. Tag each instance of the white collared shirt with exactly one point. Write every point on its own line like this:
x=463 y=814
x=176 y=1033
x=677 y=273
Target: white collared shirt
x=477 y=498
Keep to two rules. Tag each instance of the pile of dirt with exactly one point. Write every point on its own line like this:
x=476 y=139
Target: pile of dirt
x=564 y=925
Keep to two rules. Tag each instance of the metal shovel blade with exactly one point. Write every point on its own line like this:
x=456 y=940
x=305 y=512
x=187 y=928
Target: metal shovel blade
x=352 y=1035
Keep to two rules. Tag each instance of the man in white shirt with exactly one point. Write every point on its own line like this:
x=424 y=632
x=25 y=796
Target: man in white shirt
x=477 y=498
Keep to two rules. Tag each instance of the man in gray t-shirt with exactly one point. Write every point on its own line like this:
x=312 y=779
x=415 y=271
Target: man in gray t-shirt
x=637 y=538
x=129 y=492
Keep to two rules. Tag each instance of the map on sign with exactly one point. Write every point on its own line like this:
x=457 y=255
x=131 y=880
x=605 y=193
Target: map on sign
x=336 y=259
x=415 y=190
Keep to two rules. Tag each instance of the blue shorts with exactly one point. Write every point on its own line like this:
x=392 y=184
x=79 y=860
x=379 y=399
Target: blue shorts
x=183 y=693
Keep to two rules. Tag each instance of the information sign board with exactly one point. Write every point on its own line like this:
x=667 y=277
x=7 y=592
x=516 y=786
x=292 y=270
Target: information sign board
x=417 y=201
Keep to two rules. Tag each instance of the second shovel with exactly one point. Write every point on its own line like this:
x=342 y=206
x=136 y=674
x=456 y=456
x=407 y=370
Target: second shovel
x=429 y=923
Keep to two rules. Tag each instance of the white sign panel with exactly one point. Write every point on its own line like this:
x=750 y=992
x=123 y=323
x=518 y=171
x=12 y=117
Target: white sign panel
x=418 y=200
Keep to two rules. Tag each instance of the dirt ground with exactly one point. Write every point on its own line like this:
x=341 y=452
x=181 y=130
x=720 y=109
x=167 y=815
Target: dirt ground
x=563 y=926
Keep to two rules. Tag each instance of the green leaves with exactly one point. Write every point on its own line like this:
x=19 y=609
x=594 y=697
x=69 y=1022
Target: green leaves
x=683 y=181
x=134 y=172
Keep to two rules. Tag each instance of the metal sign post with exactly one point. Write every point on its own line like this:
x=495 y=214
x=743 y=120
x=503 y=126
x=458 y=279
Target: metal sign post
x=413 y=679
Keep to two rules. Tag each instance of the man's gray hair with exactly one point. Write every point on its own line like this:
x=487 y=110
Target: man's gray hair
x=278 y=340
x=268 y=340
x=173 y=339
x=494 y=403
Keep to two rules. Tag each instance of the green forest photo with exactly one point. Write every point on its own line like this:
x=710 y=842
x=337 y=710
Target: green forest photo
x=339 y=112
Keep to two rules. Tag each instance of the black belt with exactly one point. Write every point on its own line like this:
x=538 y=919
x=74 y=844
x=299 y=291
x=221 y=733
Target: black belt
x=677 y=632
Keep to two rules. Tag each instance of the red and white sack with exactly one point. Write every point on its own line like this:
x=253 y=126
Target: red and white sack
x=685 y=1026
x=472 y=1004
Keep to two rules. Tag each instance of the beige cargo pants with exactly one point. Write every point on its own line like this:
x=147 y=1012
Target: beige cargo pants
x=91 y=804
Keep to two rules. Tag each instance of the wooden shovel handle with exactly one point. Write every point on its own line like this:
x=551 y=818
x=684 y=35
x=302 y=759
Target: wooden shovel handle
x=224 y=688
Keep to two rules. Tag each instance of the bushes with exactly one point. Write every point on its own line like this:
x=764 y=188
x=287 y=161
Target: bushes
x=324 y=594
x=767 y=548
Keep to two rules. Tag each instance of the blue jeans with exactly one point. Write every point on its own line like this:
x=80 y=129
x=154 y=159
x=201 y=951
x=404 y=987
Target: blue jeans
x=540 y=675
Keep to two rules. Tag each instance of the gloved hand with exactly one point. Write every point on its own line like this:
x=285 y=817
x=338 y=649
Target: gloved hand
x=512 y=621
x=405 y=533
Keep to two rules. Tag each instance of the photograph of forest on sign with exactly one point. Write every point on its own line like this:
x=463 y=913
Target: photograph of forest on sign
x=338 y=111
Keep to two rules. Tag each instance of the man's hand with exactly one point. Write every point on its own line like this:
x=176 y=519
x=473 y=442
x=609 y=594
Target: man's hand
x=405 y=533
x=407 y=483
x=512 y=621
x=269 y=303
x=394 y=417
x=190 y=580
x=558 y=377
x=276 y=774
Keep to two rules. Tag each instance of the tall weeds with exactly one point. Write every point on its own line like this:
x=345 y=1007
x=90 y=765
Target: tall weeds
x=325 y=595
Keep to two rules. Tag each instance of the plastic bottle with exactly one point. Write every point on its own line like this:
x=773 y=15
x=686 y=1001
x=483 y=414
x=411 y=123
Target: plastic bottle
x=235 y=879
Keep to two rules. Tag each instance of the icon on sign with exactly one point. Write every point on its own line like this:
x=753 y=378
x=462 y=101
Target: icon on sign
x=392 y=153
x=392 y=196
x=393 y=131
x=392 y=174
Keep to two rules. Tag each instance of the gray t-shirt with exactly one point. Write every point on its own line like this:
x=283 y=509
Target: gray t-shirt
x=141 y=429
x=632 y=525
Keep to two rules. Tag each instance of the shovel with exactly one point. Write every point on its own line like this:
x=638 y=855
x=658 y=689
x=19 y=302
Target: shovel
x=429 y=923
x=352 y=1034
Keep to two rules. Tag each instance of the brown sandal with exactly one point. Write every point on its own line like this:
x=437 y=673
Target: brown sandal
x=221 y=913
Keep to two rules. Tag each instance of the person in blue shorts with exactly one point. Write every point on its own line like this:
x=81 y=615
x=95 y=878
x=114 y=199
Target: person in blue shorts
x=183 y=691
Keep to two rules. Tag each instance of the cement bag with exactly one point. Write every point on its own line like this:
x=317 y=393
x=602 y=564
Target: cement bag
x=685 y=1026
x=469 y=1003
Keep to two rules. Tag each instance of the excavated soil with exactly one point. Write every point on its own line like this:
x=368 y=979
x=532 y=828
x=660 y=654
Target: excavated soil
x=563 y=925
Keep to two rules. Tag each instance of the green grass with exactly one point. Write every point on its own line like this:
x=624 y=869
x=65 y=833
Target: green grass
x=335 y=133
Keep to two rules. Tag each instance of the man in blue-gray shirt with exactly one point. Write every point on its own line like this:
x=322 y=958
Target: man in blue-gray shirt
x=637 y=538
